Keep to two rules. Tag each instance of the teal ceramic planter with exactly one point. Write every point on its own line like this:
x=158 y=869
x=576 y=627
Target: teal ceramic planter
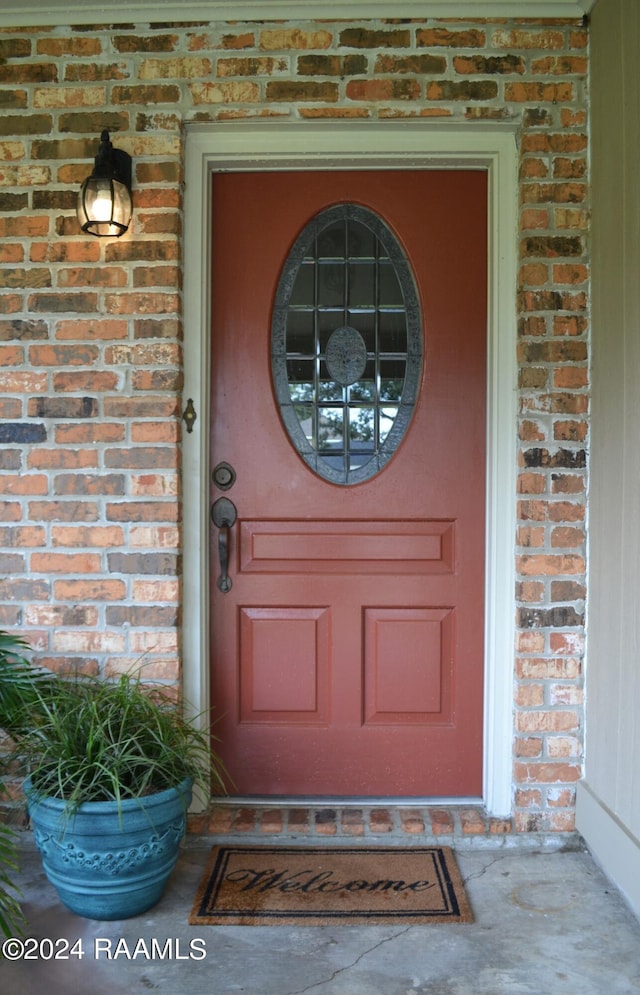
x=109 y=861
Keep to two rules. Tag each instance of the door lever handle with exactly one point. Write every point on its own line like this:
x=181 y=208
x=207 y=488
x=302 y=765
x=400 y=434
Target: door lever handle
x=224 y=515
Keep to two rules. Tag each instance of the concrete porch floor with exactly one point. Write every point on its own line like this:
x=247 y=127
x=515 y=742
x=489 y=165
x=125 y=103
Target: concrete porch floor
x=547 y=922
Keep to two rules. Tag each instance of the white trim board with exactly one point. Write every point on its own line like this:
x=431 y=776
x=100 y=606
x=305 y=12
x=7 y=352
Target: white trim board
x=69 y=12
x=273 y=145
x=610 y=842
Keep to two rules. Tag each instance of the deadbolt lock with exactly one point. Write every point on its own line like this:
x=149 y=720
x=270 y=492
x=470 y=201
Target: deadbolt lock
x=224 y=476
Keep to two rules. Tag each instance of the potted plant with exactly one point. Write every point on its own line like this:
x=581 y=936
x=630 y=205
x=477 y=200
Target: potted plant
x=16 y=680
x=111 y=766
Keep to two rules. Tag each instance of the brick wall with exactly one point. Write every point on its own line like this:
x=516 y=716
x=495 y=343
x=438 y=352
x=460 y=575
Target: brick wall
x=91 y=336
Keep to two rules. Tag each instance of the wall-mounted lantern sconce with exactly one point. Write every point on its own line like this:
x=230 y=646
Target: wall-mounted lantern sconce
x=104 y=201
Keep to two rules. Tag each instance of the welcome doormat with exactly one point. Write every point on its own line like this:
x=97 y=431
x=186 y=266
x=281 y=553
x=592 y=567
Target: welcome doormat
x=318 y=886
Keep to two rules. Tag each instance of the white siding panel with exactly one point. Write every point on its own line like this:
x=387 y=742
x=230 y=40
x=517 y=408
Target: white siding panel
x=613 y=661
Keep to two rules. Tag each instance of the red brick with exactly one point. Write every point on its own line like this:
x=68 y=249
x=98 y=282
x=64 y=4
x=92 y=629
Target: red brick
x=25 y=484
x=551 y=565
x=298 y=821
x=89 y=432
x=551 y=721
x=24 y=589
x=528 y=536
x=547 y=773
x=89 y=590
x=142 y=511
x=472 y=822
x=534 y=218
x=326 y=822
x=561 y=797
x=380 y=820
x=532 y=483
x=23 y=537
x=530 y=695
x=271 y=822
x=441 y=822
x=154 y=591
x=220 y=820
x=567 y=590
x=155 y=485
x=234 y=41
x=567 y=538
x=432 y=37
x=78 y=252
x=56 y=615
x=275 y=39
x=535 y=511
x=412 y=821
x=529 y=747
x=85 y=536
x=352 y=822
x=532 y=592
x=565 y=483
x=85 y=641
x=570 y=431
x=12 y=563
x=562 y=822
x=62 y=459
x=85 y=381
x=573 y=377
x=569 y=325
x=68 y=563
x=63 y=511
x=550 y=39
x=91 y=330
x=11 y=356
x=530 y=642
x=499 y=827
x=197 y=823
x=374 y=38
x=244 y=820
x=384 y=89
x=88 y=484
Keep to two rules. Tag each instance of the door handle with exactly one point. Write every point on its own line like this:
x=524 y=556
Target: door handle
x=224 y=515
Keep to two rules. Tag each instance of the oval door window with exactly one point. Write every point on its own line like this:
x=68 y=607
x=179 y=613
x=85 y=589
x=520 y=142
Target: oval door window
x=346 y=344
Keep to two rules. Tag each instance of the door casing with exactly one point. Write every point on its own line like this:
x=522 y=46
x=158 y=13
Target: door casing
x=270 y=145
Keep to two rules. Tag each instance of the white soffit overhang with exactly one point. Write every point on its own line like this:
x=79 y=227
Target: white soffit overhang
x=69 y=12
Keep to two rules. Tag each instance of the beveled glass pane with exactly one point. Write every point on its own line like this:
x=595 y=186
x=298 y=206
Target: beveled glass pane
x=331 y=429
x=303 y=288
x=389 y=292
x=300 y=332
x=300 y=376
x=328 y=389
x=331 y=242
x=330 y=284
x=361 y=241
x=392 y=372
x=392 y=331
x=365 y=388
x=304 y=414
x=362 y=285
x=387 y=417
x=362 y=426
x=365 y=322
x=328 y=319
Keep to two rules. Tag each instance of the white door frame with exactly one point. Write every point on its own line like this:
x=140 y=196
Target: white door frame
x=270 y=145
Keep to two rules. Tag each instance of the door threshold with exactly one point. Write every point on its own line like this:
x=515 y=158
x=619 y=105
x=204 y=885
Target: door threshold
x=325 y=820
x=343 y=801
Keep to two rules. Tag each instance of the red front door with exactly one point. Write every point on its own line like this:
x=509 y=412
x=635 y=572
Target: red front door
x=347 y=653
